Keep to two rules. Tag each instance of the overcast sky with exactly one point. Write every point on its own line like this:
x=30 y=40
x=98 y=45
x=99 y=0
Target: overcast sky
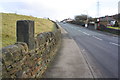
x=59 y=9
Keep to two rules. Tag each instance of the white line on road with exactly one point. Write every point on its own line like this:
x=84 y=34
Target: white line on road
x=97 y=38
x=114 y=43
x=86 y=33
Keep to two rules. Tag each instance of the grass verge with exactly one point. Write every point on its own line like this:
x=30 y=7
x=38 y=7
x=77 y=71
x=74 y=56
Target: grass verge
x=9 y=26
x=118 y=28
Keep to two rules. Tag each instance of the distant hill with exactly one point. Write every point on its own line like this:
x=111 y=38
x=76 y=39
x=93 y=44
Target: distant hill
x=9 y=26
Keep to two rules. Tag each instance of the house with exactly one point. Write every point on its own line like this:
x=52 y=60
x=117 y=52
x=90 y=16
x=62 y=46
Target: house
x=107 y=20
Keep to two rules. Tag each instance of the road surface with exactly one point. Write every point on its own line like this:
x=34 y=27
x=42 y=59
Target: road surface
x=99 y=50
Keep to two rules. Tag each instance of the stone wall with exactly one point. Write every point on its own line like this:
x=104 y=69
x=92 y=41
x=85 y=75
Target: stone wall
x=20 y=62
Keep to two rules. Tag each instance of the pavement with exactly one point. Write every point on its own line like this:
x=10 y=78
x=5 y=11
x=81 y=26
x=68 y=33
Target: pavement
x=69 y=61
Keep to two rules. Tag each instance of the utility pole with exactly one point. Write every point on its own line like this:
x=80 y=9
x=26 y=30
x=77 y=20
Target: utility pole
x=97 y=25
x=98 y=4
x=86 y=23
x=119 y=7
x=119 y=11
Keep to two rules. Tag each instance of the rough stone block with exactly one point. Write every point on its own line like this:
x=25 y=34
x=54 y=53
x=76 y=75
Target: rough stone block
x=25 y=32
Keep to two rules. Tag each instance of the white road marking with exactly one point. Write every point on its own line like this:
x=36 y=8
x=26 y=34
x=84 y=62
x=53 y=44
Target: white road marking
x=114 y=43
x=97 y=38
x=86 y=33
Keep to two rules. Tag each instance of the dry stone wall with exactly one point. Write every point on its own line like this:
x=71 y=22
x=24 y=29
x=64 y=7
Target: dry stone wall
x=20 y=62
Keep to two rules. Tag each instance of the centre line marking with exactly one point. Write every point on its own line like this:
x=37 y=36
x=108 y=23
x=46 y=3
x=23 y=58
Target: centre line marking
x=97 y=38
x=86 y=33
x=114 y=43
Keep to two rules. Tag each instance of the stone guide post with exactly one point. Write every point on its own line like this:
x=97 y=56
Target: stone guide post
x=25 y=32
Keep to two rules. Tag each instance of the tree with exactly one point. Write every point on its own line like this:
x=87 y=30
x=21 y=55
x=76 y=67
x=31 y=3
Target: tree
x=81 y=17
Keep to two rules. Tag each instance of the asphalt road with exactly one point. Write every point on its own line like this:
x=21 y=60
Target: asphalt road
x=99 y=50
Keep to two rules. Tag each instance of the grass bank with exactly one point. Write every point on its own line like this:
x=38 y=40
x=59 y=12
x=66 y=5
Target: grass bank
x=9 y=26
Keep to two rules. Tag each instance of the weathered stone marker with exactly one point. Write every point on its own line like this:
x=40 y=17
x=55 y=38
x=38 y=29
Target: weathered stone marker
x=25 y=32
